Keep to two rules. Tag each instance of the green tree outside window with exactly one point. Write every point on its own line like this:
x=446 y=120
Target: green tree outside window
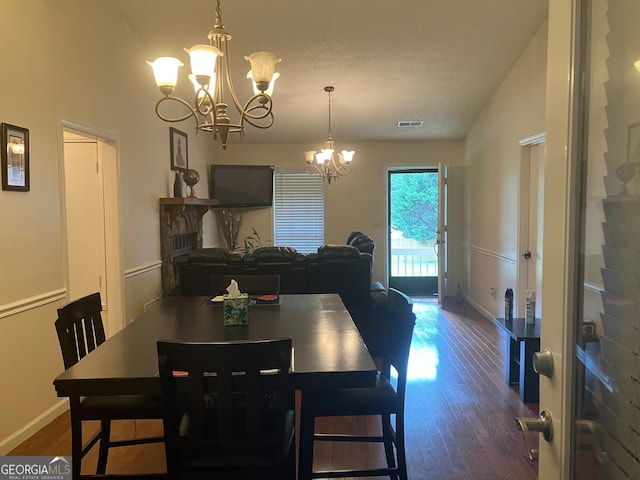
x=414 y=205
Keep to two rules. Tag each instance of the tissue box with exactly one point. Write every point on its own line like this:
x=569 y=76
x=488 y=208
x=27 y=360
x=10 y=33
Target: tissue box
x=236 y=309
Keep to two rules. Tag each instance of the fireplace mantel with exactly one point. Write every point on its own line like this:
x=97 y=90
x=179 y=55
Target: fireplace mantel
x=177 y=205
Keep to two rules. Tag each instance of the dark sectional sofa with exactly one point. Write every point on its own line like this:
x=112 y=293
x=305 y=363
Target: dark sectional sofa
x=342 y=269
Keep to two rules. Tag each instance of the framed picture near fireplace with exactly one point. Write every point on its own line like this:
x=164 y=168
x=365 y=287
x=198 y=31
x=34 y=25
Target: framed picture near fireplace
x=15 y=158
x=179 y=150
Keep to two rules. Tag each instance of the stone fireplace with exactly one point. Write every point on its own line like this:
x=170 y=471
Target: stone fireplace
x=180 y=232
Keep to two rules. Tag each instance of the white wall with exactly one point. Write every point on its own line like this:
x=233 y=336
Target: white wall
x=492 y=171
x=359 y=201
x=71 y=60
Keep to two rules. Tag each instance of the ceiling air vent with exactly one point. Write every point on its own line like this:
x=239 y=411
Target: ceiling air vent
x=410 y=123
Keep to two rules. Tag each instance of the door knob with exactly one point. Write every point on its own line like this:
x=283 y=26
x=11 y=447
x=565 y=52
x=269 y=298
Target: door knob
x=543 y=424
x=543 y=363
x=526 y=255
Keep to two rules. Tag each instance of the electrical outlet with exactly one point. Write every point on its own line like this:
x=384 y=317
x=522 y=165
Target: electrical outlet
x=492 y=291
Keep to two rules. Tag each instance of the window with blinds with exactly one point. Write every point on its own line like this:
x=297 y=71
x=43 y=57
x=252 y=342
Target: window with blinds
x=298 y=210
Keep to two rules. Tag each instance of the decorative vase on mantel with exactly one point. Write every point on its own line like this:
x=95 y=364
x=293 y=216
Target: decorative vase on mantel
x=177 y=186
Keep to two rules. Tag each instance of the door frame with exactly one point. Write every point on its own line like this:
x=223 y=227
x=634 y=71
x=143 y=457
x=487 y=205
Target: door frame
x=443 y=231
x=523 y=218
x=559 y=236
x=108 y=144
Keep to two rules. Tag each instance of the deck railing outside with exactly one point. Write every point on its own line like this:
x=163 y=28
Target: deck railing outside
x=410 y=258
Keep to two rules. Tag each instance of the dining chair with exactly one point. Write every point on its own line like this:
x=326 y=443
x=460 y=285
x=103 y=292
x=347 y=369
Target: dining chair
x=80 y=330
x=383 y=400
x=228 y=409
x=250 y=284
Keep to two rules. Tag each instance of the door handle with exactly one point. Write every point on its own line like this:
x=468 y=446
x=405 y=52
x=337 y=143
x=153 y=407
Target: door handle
x=526 y=255
x=543 y=424
x=543 y=363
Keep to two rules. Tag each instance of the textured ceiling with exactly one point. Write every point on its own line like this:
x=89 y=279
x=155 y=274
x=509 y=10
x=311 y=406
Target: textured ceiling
x=433 y=60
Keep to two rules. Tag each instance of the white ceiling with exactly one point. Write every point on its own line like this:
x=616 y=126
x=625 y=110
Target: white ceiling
x=432 y=60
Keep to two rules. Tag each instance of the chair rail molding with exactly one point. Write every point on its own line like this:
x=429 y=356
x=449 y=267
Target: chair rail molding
x=536 y=139
x=142 y=269
x=30 y=303
x=490 y=253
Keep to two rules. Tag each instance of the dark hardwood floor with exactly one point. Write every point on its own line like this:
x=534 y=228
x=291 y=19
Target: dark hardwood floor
x=460 y=412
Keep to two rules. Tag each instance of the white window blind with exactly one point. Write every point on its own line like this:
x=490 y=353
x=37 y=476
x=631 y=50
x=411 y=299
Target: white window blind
x=298 y=211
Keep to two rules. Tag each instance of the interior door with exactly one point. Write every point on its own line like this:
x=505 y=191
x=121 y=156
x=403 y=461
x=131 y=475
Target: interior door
x=93 y=219
x=590 y=313
x=85 y=219
x=530 y=222
x=535 y=230
x=558 y=245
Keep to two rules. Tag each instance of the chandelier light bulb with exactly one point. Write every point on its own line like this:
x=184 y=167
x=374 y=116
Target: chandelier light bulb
x=269 y=90
x=324 y=156
x=637 y=65
x=203 y=62
x=310 y=156
x=165 y=71
x=346 y=156
x=263 y=65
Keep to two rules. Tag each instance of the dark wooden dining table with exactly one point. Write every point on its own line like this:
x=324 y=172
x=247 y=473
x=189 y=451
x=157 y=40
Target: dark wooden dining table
x=328 y=350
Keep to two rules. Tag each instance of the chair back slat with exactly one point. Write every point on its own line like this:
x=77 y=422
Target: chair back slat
x=398 y=334
x=224 y=401
x=194 y=405
x=239 y=393
x=80 y=329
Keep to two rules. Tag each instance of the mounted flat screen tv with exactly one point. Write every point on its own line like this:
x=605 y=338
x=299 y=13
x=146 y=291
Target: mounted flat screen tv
x=242 y=186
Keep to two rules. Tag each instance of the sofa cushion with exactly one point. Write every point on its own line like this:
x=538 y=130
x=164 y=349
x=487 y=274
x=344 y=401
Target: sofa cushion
x=209 y=255
x=235 y=258
x=274 y=255
x=300 y=260
x=338 y=253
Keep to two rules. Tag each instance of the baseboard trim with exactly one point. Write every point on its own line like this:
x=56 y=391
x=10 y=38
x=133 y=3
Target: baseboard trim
x=479 y=308
x=34 y=426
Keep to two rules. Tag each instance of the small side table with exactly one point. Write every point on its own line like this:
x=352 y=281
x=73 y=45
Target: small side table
x=524 y=340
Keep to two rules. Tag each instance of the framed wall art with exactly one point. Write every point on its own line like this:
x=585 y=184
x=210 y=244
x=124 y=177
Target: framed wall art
x=179 y=150
x=15 y=158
